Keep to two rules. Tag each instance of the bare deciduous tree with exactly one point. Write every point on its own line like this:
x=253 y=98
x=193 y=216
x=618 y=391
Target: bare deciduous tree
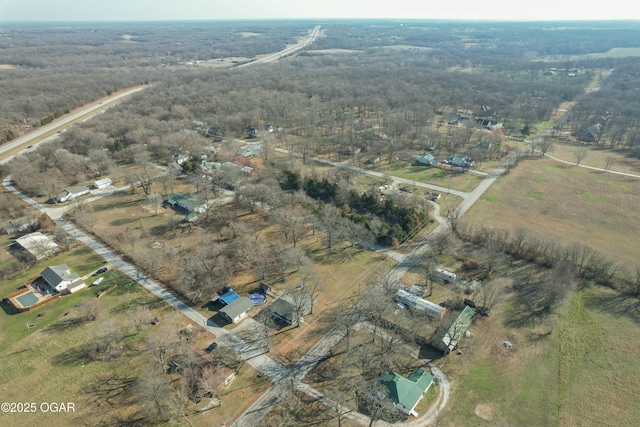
x=153 y=390
x=155 y=200
x=545 y=145
x=580 y=154
x=609 y=162
x=453 y=219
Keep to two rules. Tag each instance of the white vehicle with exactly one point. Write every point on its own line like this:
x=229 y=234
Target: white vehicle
x=97 y=282
x=445 y=275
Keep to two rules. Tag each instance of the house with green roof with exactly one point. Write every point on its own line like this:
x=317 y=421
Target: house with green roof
x=407 y=392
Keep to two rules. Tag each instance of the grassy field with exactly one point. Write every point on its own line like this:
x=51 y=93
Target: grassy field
x=461 y=181
x=81 y=261
x=568 y=204
x=579 y=369
x=48 y=363
x=596 y=157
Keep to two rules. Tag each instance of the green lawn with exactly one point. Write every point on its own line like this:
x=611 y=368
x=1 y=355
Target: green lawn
x=81 y=260
x=461 y=181
x=49 y=362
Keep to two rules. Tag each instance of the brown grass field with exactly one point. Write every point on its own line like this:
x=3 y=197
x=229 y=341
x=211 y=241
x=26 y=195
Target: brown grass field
x=596 y=157
x=566 y=203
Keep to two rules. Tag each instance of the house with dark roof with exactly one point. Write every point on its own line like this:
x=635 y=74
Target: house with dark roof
x=237 y=310
x=427 y=160
x=406 y=392
x=289 y=308
x=61 y=279
x=188 y=202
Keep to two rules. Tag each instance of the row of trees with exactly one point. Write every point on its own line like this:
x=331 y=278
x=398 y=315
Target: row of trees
x=569 y=259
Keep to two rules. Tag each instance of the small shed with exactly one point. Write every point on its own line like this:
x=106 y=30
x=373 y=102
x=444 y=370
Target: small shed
x=263 y=288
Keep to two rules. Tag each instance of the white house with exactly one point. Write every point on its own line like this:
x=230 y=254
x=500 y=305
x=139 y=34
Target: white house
x=102 y=183
x=72 y=193
x=61 y=279
x=420 y=304
x=180 y=158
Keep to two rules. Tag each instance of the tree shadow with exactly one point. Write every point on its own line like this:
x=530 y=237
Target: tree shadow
x=64 y=325
x=618 y=304
x=136 y=302
x=75 y=356
x=522 y=317
x=430 y=353
x=110 y=389
x=122 y=221
x=159 y=231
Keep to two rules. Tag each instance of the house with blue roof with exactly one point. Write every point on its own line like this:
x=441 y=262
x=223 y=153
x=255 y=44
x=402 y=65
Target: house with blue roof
x=228 y=297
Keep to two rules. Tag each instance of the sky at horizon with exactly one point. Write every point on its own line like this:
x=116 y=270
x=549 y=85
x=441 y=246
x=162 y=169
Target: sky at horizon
x=168 y=10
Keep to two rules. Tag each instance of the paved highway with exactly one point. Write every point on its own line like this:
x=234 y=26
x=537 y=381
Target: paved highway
x=9 y=149
x=287 y=51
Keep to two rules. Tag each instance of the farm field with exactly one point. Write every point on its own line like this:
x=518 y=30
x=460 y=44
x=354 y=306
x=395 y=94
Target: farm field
x=577 y=369
x=566 y=203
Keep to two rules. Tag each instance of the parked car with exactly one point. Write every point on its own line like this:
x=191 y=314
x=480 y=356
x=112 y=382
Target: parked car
x=100 y=271
x=211 y=347
x=97 y=282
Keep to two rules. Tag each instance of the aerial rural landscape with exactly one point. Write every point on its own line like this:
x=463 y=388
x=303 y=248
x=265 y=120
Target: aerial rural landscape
x=278 y=223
